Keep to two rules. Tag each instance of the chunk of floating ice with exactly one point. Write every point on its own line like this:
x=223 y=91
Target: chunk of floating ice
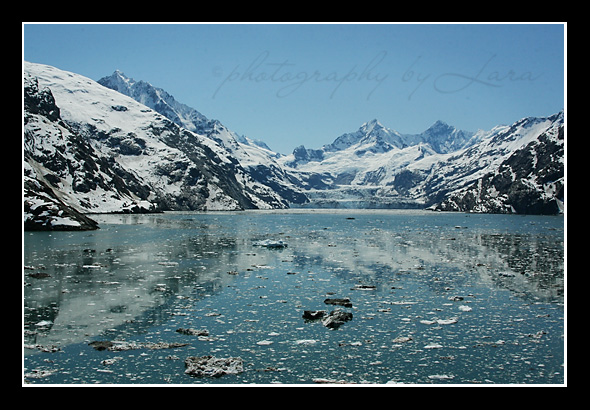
x=428 y=322
x=269 y=243
x=305 y=342
x=465 y=308
x=264 y=342
x=363 y=287
x=210 y=366
x=506 y=274
x=439 y=321
x=433 y=346
x=446 y=321
x=441 y=377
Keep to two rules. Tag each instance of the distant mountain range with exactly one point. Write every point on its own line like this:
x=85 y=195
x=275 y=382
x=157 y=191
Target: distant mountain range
x=120 y=145
x=381 y=168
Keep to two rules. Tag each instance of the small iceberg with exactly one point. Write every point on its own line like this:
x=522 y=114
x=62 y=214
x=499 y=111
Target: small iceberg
x=269 y=243
x=441 y=377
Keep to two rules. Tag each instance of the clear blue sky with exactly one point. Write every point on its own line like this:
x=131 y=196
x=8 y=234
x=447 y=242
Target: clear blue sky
x=307 y=84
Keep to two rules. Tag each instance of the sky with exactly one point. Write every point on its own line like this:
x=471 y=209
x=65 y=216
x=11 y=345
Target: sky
x=307 y=84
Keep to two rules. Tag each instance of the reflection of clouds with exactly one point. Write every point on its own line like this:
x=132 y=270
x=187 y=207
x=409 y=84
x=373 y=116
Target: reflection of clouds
x=91 y=292
x=125 y=276
x=534 y=261
x=129 y=275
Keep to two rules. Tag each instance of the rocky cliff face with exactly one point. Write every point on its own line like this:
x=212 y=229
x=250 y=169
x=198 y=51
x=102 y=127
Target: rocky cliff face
x=43 y=209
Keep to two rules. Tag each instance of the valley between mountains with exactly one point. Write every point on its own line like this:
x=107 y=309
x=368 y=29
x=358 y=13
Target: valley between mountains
x=119 y=145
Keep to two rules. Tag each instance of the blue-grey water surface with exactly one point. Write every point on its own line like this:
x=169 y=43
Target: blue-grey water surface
x=436 y=297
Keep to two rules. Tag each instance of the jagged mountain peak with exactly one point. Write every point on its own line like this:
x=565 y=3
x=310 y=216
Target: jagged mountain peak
x=121 y=74
x=442 y=138
x=369 y=126
x=439 y=126
x=445 y=138
x=371 y=132
x=118 y=81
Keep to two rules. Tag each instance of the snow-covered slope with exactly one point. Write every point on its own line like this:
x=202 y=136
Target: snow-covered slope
x=257 y=160
x=155 y=98
x=521 y=170
x=102 y=151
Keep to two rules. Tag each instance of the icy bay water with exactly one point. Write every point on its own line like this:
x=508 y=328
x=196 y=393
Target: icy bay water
x=436 y=298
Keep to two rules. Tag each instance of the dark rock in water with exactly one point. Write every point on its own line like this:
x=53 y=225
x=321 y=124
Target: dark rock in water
x=193 y=332
x=210 y=366
x=338 y=301
x=39 y=275
x=101 y=344
x=314 y=314
x=336 y=318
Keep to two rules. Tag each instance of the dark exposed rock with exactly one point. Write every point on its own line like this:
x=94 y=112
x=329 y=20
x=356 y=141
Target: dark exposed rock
x=101 y=344
x=338 y=301
x=39 y=101
x=193 y=332
x=336 y=318
x=123 y=346
x=314 y=314
x=43 y=211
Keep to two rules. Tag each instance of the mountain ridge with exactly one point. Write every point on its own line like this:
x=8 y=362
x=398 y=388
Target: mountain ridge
x=257 y=160
x=387 y=169
x=121 y=145
x=105 y=152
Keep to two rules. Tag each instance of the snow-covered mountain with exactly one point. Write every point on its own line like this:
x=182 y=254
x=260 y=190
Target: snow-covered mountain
x=257 y=159
x=375 y=166
x=120 y=145
x=380 y=167
x=98 y=150
x=158 y=100
x=519 y=169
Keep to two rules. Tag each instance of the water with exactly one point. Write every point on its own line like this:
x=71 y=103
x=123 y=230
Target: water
x=449 y=297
